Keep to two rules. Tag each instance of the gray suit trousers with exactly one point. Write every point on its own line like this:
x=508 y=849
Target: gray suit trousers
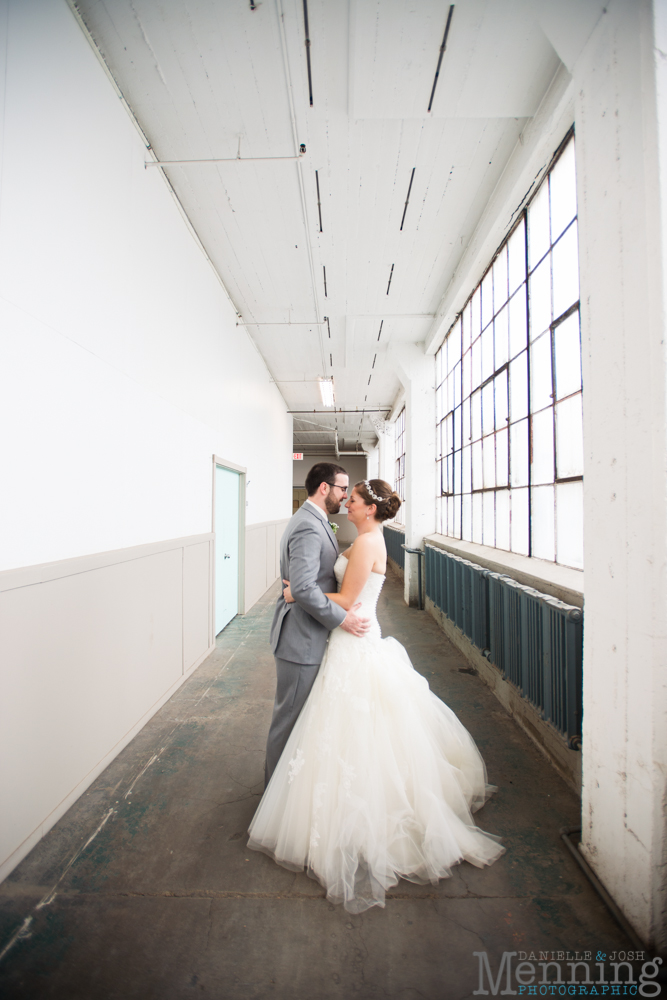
x=294 y=681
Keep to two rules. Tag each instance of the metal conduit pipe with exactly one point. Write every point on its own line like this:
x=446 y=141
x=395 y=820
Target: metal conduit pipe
x=302 y=189
x=334 y=412
x=227 y=159
x=339 y=452
x=565 y=833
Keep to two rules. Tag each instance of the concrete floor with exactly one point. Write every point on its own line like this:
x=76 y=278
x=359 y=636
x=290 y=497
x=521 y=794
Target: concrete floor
x=166 y=903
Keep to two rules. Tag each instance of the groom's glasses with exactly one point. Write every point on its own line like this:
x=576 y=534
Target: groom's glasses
x=337 y=487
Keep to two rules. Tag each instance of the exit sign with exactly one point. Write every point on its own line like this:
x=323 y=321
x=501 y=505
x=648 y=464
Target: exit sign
x=297 y=456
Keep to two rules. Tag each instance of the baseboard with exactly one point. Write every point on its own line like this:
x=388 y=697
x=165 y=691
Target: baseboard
x=398 y=570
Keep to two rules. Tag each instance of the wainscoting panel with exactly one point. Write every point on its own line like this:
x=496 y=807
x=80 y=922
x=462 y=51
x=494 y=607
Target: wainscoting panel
x=197 y=619
x=91 y=648
x=262 y=565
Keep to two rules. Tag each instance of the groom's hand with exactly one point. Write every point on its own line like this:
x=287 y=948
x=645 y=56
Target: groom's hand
x=353 y=624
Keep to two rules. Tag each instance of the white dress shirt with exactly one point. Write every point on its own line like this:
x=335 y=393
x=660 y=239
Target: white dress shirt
x=318 y=509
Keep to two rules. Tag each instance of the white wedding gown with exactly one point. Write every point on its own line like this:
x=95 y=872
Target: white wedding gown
x=378 y=778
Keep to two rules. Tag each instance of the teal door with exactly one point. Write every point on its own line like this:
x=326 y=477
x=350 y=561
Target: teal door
x=227 y=490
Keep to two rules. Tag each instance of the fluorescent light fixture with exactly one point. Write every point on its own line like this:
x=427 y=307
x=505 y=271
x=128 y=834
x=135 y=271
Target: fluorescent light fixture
x=327 y=391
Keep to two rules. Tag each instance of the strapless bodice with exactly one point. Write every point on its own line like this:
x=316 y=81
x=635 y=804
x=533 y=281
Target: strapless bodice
x=368 y=596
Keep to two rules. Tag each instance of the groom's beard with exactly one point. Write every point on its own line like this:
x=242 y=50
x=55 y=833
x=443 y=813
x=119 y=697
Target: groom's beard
x=332 y=505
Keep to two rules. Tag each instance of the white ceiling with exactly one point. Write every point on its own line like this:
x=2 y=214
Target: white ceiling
x=202 y=76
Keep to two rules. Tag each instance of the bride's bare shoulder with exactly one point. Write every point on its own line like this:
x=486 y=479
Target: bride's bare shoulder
x=367 y=554
x=371 y=542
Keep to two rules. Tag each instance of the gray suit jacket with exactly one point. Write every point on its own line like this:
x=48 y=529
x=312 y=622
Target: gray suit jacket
x=308 y=551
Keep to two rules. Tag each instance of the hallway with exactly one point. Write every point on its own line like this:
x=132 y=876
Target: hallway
x=238 y=237
x=166 y=902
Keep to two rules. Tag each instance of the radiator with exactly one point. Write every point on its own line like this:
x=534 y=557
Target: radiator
x=534 y=640
x=394 y=539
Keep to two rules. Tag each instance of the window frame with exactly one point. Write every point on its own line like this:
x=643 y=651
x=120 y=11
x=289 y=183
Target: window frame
x=399 y=462
x=481 y=447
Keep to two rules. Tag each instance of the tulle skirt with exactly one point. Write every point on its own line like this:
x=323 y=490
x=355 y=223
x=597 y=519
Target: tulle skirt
x=377 y=781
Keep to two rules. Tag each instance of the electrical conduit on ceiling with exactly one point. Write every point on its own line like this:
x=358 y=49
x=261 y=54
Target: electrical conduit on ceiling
x=302 y=191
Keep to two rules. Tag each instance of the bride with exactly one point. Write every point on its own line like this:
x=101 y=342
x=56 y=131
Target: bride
x=378 y=778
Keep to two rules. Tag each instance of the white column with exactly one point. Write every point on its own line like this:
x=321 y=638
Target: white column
x=416 y=372
x=385 y=451
x=372 y=462
x=620 y=83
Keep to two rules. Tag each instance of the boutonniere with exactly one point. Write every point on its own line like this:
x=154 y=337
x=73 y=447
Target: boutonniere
x=333 y=526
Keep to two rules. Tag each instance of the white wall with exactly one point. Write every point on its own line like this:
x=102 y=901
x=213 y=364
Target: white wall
x=262 y=553
x=123 y=368
x=123 y=372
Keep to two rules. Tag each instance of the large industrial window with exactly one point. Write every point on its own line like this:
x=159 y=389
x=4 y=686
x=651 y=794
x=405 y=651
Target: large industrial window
x=508 y=398
x=399 y=473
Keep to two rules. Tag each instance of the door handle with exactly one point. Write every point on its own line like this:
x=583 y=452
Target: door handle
x=227 y=555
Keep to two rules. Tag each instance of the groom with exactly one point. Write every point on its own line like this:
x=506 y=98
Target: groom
x=299 y=632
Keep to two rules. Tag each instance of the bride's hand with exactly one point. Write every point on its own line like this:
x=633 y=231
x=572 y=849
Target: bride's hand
x=287 y=593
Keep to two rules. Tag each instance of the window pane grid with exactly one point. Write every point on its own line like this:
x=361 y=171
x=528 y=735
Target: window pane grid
x=510 y=438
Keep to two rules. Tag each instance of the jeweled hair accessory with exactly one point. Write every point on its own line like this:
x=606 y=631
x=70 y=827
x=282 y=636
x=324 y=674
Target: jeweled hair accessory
x=374 y=495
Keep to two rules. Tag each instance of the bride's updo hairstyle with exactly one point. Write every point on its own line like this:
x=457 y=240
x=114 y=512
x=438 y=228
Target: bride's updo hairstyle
x=381 y=494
